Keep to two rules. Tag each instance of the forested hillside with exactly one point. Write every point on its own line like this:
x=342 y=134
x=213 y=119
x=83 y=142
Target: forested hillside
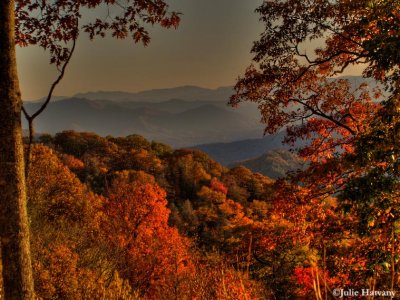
x=126 y=218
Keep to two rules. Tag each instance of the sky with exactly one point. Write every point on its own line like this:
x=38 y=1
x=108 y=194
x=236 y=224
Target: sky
x=211 y=48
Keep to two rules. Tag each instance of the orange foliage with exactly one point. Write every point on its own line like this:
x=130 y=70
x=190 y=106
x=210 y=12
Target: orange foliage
x=72 y=162
x=57 y=272
x=216 y=280
x=218 y=186
x=153 y=256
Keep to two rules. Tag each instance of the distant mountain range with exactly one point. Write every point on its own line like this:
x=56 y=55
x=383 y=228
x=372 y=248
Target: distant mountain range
x=233 y=152
x=188 y=93
x=274 y=164
x=178 y=122
x=182 y=117
x=267 y=155
x=238 y=151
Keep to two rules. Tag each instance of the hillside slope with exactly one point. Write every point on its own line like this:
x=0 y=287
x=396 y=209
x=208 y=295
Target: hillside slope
x=274 y=164
x=229 y=153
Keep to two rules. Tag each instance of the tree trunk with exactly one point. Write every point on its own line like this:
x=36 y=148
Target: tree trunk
x=14 y=228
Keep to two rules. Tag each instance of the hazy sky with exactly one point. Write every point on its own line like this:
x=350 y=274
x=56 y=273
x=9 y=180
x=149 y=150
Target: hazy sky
x=211 y=48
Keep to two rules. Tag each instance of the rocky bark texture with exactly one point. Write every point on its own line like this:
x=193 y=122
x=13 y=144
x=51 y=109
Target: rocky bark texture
x=15 y=253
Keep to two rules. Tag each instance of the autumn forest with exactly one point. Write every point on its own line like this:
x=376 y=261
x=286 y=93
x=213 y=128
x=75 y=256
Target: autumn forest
x=91 y=216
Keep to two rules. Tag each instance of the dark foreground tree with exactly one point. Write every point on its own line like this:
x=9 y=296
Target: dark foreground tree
x=354 y=147
x=17 y=273
x=54 y=26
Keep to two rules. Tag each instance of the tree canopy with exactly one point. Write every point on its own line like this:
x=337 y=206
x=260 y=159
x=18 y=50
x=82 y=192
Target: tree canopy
x=351 y=129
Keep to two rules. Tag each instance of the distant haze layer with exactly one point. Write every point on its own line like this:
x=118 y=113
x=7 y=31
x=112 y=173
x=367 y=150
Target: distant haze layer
x=210 y=48
x=198 y=116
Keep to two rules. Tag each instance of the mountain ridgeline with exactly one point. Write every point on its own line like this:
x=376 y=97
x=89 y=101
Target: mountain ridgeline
x=274 y=163
x=233 y=152
x=186 y=116
x=180 y=117
x=189 y=93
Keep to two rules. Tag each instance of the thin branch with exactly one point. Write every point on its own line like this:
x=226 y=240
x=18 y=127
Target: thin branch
x=55 y=83
x=329 y=58
x=27 y=116
x=327 y=27
x=325 y=116
x=31 y=118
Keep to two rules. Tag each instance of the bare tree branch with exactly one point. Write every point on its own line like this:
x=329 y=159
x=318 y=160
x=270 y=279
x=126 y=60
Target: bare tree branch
x=31 y=118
